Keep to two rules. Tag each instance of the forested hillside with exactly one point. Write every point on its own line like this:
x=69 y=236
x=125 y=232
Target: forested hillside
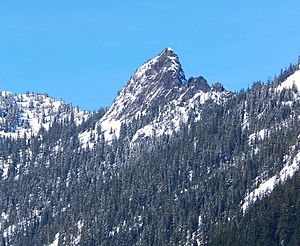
x=226 y=174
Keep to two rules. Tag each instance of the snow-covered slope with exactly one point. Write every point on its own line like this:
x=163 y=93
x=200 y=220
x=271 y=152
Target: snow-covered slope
x=266 y=187
x=26 y=113
x=160 y=85
x=178 y=111
x=292 y=81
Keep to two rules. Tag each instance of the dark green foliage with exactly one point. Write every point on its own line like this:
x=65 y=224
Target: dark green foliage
x=9 y=112
x=271 y=221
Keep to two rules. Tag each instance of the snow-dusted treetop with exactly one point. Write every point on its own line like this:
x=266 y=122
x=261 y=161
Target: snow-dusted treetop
x=27 y=113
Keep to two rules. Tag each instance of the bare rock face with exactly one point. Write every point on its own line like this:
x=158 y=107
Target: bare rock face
x=195 y=85
x=156 y=82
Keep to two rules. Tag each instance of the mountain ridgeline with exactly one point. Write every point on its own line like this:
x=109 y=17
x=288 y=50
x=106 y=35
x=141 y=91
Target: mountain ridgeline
x=173 y=161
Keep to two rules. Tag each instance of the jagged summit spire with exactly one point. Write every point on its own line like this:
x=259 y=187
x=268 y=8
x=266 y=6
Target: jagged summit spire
x=156 y=82
x=168 y=49
x=159 y=83
x=168 y=53
x=167 y=62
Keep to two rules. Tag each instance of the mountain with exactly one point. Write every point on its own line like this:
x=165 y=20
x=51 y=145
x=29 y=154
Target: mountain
x=26 y=114
x=173 y=161
x=158 y=88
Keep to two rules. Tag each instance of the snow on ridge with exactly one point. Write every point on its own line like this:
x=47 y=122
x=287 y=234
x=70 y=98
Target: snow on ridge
x=6 y=93
x=293 y=79
x=38 y=110
x=175 y=113
x=141 y=72
x=268 y=186
x=172 y=115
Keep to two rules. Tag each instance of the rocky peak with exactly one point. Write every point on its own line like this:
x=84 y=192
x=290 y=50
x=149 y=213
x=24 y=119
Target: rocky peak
x=164 y=68
x=158 y=83
x=167 y=54
x=218 y=87
x=199 y=83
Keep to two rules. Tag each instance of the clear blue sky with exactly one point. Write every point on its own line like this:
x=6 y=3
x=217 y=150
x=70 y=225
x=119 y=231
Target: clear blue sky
x=85 y=51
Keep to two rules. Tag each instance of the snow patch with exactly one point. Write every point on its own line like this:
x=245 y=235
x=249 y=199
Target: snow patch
x=56 y=240
x=294 y=79
x=260 y=135
x=9 y=231
x=79 y=230
x=267 y=186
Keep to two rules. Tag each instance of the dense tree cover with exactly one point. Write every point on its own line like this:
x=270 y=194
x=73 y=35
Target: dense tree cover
x=271 y=221
x=183 y=189
x=9 y=112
